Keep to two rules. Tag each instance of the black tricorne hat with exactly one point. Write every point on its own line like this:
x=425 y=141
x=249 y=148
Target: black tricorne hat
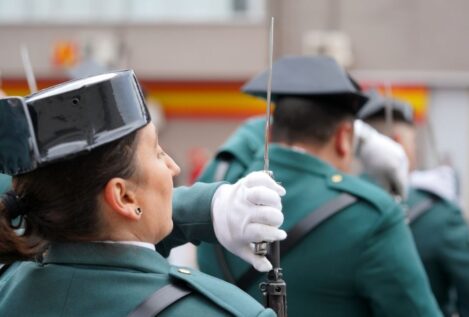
x=376 y=108
x=68 y=119
x=307 y=76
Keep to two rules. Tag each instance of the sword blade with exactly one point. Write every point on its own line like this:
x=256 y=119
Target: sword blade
x=28 y=69
x=269 y=94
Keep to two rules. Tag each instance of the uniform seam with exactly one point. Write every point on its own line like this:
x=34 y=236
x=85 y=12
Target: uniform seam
x=68 y=292
x=365 y=242
x=391 y=209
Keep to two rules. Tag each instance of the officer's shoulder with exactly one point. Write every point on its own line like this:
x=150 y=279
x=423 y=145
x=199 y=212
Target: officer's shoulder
x=221 y=293
x=416 y=195
x=244 y=142
x=366 y=192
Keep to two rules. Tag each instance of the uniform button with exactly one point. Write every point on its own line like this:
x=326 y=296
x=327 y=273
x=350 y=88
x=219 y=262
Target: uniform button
x=337 y=178
x=184 y=271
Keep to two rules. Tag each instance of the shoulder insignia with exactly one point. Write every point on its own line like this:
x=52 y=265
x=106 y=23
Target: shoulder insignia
x=364 y=190
x=220 y=292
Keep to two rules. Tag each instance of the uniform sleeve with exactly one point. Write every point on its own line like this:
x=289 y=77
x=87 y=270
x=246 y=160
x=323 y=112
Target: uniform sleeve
x=390 y=273
x=191 y=216
x=454 y=256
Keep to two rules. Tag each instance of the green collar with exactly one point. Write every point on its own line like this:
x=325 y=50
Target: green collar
x=306 y=162
x=107 y=254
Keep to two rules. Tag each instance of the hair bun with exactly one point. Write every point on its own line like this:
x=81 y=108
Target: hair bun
x=13 y=205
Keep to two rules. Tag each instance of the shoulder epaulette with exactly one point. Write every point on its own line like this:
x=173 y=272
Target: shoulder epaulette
x=364 y=190
x=218 y=291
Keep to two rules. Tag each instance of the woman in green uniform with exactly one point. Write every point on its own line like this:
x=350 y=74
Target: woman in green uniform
x=92 y=196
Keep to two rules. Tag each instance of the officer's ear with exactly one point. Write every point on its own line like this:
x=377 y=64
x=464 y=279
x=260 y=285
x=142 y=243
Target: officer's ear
x=397 y=138
x=344 y=139
x=120 y=198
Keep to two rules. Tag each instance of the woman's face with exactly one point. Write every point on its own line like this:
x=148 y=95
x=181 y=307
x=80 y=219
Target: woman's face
x=155 y=172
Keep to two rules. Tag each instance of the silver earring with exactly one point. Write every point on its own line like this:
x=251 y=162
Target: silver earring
x=138 y=211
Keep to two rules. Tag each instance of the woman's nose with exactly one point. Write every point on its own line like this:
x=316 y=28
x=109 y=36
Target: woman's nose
x=175 y=169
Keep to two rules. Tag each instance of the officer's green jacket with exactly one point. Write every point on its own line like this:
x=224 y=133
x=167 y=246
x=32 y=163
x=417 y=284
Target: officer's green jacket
x=442 y=239
x=361 y=262
x=5 y=183
x=103 y=279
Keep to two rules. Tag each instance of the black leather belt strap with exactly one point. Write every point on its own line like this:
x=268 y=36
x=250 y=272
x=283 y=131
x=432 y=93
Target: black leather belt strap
x=314 y=219
x=160 y=300
x=417 y=211
x=302 y=229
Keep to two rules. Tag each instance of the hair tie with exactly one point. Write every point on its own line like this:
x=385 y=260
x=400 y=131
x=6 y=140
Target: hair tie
x=14 y=207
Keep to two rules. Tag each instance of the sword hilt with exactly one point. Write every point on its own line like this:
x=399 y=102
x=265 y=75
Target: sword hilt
x=261 y=248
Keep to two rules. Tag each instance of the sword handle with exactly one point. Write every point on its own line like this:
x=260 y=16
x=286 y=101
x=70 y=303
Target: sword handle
x=261 y=248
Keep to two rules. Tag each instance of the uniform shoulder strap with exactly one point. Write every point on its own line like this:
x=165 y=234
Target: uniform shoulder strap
x=418 y=210
x=160 y=300
x=314 y=219
x=295 y=234
x=4 y=268
x=302 y=229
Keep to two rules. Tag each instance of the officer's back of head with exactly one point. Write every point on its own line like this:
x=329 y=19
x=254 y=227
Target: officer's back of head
x=393 y=118
x=316 y=102
x=311 y=120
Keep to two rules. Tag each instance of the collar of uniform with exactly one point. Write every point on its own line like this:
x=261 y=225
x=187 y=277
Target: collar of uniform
x=284 y=155
x=106 y=254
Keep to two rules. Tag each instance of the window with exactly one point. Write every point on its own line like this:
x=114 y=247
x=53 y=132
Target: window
x=129 y=11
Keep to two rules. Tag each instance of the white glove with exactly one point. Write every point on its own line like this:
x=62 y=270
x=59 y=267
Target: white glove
x=246 y=212
x=441 y=181
x=382 y=158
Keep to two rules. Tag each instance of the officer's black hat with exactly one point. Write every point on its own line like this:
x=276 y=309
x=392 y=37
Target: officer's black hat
x=376 y=108
x=68 y=119
x=308 y=76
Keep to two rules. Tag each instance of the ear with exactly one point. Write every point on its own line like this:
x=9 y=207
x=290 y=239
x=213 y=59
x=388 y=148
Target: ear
x=121 y=198
x=343 y=139
x=397 y=137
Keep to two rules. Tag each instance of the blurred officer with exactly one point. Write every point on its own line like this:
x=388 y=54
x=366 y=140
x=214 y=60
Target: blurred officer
x=93 y=190
x=360 y=260
x=438 y=226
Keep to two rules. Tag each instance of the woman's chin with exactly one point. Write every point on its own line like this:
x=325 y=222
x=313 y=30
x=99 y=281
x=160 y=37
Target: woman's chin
x=169 y=228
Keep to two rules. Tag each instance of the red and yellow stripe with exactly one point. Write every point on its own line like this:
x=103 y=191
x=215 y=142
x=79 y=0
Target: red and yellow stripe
x=217 y=99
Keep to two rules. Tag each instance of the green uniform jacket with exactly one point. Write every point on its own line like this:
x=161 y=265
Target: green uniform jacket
x=361 y=262
x=101 y=279
x=442 y=239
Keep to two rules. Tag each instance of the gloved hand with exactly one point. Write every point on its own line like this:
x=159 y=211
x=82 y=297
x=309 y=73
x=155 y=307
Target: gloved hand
x=383 y=159
x=441 y=181
x=246 y=212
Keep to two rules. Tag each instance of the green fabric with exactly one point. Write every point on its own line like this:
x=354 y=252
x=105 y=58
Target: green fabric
x=5 y=183
x=101 y=279
x=239 y=149
x=442 y=239
x=361 y=262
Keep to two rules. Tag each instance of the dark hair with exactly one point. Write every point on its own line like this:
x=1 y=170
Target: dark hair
x=311 y=120
x=60 y=202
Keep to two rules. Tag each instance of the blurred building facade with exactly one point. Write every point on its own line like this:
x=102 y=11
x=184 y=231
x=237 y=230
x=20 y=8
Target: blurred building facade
x=192 y=57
